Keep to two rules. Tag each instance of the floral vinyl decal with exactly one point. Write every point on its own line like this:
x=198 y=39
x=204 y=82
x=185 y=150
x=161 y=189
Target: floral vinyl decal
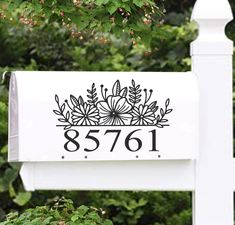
x=123 y=107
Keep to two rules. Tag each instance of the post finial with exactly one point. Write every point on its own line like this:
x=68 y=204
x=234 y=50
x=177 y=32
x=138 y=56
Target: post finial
x=212 y=9
x=212 y=17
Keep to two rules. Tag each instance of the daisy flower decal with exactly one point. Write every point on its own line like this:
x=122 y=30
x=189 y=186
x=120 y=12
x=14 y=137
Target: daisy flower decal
x=85 y=114
x=143 y=115
x=130 y=106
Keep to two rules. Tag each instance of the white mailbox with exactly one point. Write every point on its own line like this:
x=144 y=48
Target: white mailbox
x=102 y=116
x=134 y=131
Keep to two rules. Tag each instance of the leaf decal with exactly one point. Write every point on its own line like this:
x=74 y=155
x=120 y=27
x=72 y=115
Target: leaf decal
x=92 y=95
x=74 y=100
x=153 y=106
x=116 y=88
x=169 y=111
x=161 y=121
x=56 y=98
x=67 y=127
x=134 y=94
x=56 y=112
x=64 y=118
x=62 y=107
x=67 y=115
x=123 y=92
x=80 y=100
x=167 y=102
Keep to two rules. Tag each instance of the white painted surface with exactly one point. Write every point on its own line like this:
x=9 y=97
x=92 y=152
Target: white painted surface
x=126 y=175
x=212 y=10
x=212 y=63
x=41 y=139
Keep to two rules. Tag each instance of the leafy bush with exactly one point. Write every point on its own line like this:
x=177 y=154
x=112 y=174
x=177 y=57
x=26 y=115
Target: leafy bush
x=136 y=18
x=132 y=208
x=36 y=50
x=62 y=212
x=143 y=208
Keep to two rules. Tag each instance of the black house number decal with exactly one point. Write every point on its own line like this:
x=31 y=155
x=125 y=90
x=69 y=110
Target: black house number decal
x=129 y=106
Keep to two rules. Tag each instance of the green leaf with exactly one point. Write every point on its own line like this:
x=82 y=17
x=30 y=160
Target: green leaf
x=74 y=218
x=101 y=2
x=3 y=186
x=12 y=192
x=67 y=8
x=82 y=210
x=10 y=175
x=117 y=30
x=126 y=6
x=3 y=116
x=47 y=220
x=146 y=39
x=4 y=149
x=107 y=26
x=22 y=198
x=82 y=21
x=2 y=161
x=112 y=7
x=107 y=222
x=139 y=3
x=48 y=3
x=37 y=6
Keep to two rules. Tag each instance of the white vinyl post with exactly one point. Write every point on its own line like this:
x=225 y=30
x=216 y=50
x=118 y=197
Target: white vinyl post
x=212 y=63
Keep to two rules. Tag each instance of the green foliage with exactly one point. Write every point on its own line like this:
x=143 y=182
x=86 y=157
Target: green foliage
x=35 y=48
x=144 y=207
x=62 y=212
x=132 y=208
x=3 y=116
x=168 y=51
x=94 y=56
x=183 y=218
x=137 y=18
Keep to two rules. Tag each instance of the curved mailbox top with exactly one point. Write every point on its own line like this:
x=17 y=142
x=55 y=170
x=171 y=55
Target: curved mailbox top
x=82 y=116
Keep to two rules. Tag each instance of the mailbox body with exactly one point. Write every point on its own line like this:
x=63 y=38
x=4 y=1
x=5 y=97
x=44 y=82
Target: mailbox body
x=49 y=121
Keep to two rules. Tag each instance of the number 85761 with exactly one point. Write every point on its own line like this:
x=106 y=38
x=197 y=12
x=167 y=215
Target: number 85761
x=131 y=141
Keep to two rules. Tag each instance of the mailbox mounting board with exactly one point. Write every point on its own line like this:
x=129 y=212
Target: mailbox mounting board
x=96 y=116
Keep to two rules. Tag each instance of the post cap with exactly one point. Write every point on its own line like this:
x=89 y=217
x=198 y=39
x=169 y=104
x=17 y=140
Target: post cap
x=212 y=9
